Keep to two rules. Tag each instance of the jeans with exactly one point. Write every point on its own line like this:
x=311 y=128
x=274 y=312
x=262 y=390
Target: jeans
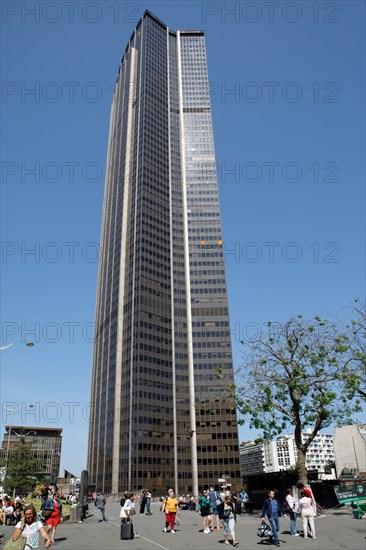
x=148 y=506
x=229 y=525
x=293 y=525
x=101 y=514
x=142 y=506
x=275 y=524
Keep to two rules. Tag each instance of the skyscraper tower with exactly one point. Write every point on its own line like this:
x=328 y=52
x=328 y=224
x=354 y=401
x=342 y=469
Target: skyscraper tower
x=160 y=415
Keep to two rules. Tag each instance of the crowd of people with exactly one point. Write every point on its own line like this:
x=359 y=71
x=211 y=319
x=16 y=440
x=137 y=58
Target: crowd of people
x=218 y=510
x=305 y=506
x=29 y=523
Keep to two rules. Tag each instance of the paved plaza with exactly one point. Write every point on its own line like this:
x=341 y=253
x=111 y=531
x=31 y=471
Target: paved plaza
x=337 y=529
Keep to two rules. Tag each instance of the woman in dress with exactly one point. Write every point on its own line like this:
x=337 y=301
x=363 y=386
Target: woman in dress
x=29 y=528
x=227 y=514
x=56 y=515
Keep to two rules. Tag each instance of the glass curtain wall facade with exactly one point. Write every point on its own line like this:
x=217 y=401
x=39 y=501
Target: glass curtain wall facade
x=158 y=406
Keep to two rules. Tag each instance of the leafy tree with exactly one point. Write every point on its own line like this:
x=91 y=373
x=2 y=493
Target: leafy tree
x=295 y=377
x=21 y=464
x=355 y=372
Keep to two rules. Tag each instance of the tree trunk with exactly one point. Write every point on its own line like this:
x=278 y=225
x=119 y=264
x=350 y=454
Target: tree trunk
x=301 y=465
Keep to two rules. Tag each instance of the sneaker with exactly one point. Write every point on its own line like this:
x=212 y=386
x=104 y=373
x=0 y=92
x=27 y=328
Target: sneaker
x=296 y=535
x=314 y=538
x=206 y=531
x=165 y=530
x=172 y=531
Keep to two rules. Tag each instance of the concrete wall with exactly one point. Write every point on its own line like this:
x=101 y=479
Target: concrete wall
x=349 y=448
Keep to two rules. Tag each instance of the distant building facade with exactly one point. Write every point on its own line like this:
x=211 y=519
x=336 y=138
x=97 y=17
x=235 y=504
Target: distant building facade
x=45 y=442
x=281 y=454
x=251 y=458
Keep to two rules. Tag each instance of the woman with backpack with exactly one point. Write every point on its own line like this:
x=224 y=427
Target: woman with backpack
x=227 y=514
x=215 y=499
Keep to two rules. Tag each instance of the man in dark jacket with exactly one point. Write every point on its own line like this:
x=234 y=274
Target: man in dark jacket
x=273 y=509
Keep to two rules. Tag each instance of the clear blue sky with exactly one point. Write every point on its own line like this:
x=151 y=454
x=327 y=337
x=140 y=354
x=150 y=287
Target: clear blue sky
x=292 y=130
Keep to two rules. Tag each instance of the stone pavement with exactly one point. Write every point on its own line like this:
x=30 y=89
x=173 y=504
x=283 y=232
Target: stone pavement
x=337 y=529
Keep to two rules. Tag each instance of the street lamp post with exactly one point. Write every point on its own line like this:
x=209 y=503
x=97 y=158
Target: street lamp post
x=29 y=344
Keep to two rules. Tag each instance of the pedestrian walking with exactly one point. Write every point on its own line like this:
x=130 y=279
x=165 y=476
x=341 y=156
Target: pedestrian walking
x=227 y=514
x=215 y=499
x=55 y=518
x=205 y=510
x=290 y=509
x=235 y=499
x=244 y=498
x=307 y=514
x=44 y=495
x=127 y=511
x=143 y=501
x=127 y=506
x=170 y=506
x=29 y=528
x=100 y=503
x=148 y=504
x=272 y=508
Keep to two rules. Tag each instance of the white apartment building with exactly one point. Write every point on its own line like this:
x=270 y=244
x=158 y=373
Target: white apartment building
x=281 y=453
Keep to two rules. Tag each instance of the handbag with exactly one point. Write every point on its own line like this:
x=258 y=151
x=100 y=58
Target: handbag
x=286 y=507
x=264 y=530
x=122 y=514
x=46 y=513
x=132 y=512
x=18 y=544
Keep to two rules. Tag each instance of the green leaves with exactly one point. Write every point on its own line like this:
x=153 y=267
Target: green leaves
x=302 y=375
x=21 y=465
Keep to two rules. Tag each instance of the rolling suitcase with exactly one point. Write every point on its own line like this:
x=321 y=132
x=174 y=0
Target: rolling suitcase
x=127 y=531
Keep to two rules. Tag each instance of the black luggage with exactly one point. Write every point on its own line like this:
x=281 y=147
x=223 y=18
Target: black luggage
x=127 y=531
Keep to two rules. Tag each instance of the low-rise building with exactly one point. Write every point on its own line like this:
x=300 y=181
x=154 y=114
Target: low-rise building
x=45 y=442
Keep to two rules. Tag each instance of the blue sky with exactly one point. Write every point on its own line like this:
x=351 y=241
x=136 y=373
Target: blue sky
x=287 y=90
